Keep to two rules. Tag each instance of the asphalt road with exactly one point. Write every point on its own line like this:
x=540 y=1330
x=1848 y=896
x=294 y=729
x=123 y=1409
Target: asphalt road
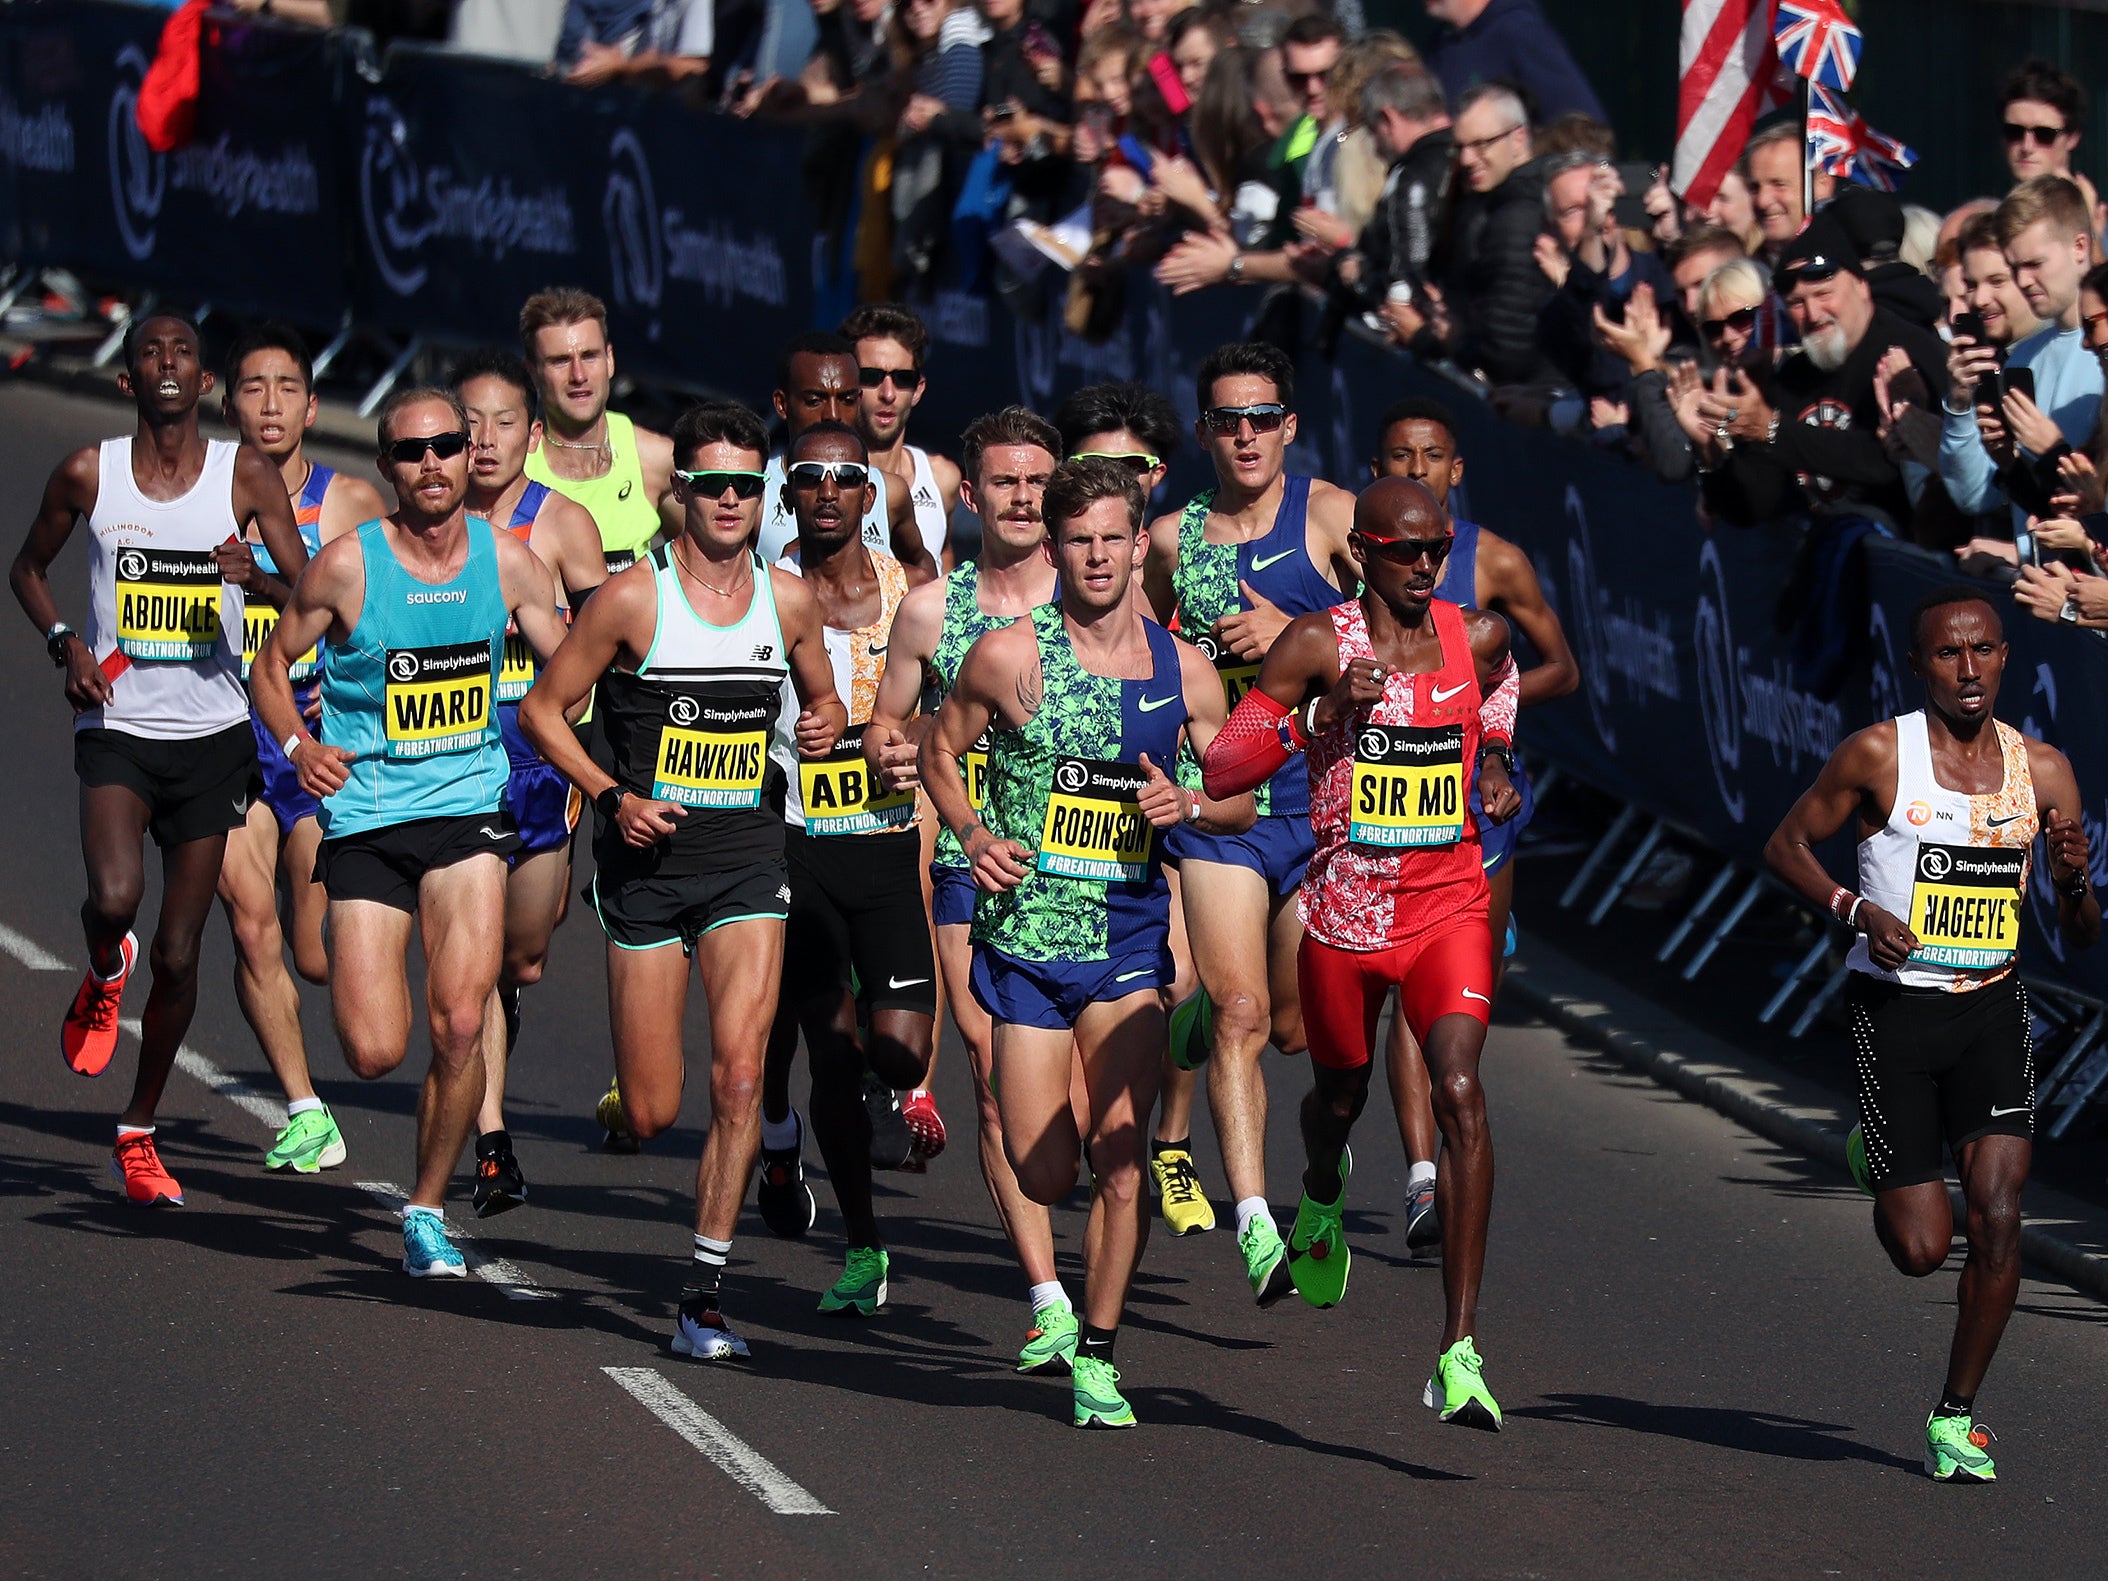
x=1707 y=1365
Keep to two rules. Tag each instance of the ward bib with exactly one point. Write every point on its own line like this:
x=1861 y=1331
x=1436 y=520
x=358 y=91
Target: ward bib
x=168 y=604
x=258 y=622
x=842 y=798
x=1408 y=786
x=1237 y=675
x=1095 y=829
x=1965 y=905
x=711 y=754
x=438 y=699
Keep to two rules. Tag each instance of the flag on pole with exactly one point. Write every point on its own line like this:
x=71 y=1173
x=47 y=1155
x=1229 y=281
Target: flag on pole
x=1729 y=75
x=1840 y=142
x=1818 y=41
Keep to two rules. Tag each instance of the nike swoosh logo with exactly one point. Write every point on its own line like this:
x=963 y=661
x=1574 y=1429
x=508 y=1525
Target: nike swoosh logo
x=2000 y=823
x=1471 y=994
x=1145 y=971
x=1272 y=559
x=1435 y=694
x=1150 y=705
x=904 y=982
x=1999 y=1114
x=878 y=649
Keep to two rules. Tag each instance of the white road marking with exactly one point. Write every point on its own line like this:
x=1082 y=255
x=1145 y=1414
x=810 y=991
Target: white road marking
x=507 y=1276
x=725 y=1449
x=30 y=953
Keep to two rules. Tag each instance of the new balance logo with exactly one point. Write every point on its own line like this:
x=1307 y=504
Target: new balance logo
x=763 y=652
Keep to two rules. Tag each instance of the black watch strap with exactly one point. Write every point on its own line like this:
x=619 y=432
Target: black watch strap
x=608 y=802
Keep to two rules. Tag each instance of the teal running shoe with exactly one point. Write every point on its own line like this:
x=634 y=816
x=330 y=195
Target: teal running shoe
x=1265 y=1261
x=1318 y=1258
x=427 y=1253
x=1954 y=1450
x=1192 y=1030
x=1855 y=1159
x=1458 y=1392
x=1099 y=1402
x=861 y=1290
x=1051 y=1346
x=309 y=1142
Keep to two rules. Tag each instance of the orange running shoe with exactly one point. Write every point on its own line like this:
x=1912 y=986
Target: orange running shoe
x=919 y=1109
x=89 y=1037
x=146 y=1182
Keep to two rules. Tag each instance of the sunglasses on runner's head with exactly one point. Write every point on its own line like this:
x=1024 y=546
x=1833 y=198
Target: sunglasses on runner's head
x=1135 y=461
x=903 y=378
x=1741 y=321
x=1408 y=551
x=408 y=452
x=1226 y=420
x=846 y=474
x=2018 y=132
x=711 y=485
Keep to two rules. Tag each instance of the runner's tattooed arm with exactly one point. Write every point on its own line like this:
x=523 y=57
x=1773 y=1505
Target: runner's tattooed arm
x=890 y=740
x=1859 y=778
x=991 y=690
x=2057 y=800
x=823 y=716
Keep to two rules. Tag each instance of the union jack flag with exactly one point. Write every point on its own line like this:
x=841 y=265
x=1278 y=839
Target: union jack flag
x=1841 y=143
x=1818 y=41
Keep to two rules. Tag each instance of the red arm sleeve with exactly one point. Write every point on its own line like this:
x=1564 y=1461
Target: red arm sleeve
x=1247 y=751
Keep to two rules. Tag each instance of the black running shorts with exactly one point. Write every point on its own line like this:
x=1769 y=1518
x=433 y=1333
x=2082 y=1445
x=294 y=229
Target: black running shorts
x=193 y=789
x=856 y=905
x=387 y=864
x=1934 y=1066
x=643 y=910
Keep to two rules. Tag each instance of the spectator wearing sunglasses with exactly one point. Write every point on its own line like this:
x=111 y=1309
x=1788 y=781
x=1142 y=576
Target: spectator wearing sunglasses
x=2042 y=112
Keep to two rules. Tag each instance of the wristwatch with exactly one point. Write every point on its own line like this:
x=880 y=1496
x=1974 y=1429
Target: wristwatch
x=2069 y=614
x=1236 y=271
x=609 y=802
x=1501 y=750
x=55 y=642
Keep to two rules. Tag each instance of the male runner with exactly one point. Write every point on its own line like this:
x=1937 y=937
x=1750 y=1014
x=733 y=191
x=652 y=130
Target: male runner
x=161 y=738
x=1137 y=427
x=1948 y=802
x=1417 y=439
x=858 y=939
x=820 y=381
x=410 y=769
x=1085 y=702
x=1234 y=567
x=1390 y=697
x=691 y=650
x=891 y=342
x=1010 y=455
x=270 y=401
x=497 y=392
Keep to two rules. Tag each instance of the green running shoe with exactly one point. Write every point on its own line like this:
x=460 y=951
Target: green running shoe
x=1954 y=1450
x=309 y=1142
x=1265 y=1261
x=1192 y=1030
x=1457 y=1390
x=1318 y=1258
x=861 y=1290
x=1051 y=1346
x=1099 y=1402
x=1855 y=1159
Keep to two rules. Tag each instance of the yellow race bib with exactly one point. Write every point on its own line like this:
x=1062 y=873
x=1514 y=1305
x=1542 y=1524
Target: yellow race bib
x=1095 y=829
x=973 y=768
x=1965 y=905
x=168 y=604
x=517 y=669
x=842 y=798
x=1408 y=787
x=1237 y=675
x=258 y=622
x=438 y=699
x=711 y=755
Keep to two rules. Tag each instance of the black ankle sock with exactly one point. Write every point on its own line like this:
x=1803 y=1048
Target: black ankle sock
x=1183 y=1145
x=1952 y=1404
x=1098 y=1342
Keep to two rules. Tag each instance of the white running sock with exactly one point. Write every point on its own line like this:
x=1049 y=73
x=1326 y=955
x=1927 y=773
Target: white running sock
x=124 y=1130
x=1419 y=1175
x=1254 y=1208
x=417 y=1207
x=1050 y=1294
x=776 y=1135
x=302 y=1106
x=711 y=1253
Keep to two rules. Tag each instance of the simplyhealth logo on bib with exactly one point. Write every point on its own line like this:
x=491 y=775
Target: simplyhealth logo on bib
x=711 y=755
x=168 y=604
x=1408 y=786
x=1095 y=829
x=438 y=699
x=1965 y=905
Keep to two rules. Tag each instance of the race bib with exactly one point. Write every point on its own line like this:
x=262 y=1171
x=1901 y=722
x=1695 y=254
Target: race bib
x=973 y=768
x=1965 y=905
x=438 y=699
x=618 y=560
x=1237 y=675
x=258 y=622
x=168 y=604
x=517 y=669
x=1408 y=786
x=842 y=798
x=711 y=754
x=1095 y=829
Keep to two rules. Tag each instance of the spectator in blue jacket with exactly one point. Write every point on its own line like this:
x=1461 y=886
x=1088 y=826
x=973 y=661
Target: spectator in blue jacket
x=1508 y=40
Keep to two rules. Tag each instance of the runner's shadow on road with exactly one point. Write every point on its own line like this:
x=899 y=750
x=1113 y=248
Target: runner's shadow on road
x=1189 y=1408
x=1753 y=1432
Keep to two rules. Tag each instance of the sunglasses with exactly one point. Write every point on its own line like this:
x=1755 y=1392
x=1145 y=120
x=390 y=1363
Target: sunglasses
x=849 y=475
x=1300 y=80
x=712 y=485
x=408 y=452
x=1134 y=462
x=1408 y=551
x=1741 y=321
x=903 y=378
x=1226 y=420
x=2042 y=136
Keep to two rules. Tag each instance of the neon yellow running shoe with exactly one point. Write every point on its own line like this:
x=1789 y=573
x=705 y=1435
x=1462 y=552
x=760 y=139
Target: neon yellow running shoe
x=1099 y=1402
x=614 y=1120
x=309 y=1142
x=1457 y=1390
x=1265 y=1261
x=861 y=1290
x=1183 y=1199
x=1954 y=1450
x=1318 y=1258
x=1051 y=1346
x=1192 y=1030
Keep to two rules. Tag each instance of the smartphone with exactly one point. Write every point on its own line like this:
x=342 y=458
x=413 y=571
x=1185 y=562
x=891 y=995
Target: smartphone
x=1163 y=71
x=1970 y=324
x=2021 y=380
x=1631 y=206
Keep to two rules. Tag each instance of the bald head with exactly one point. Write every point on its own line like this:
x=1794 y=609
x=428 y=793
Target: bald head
x=1399 y=508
